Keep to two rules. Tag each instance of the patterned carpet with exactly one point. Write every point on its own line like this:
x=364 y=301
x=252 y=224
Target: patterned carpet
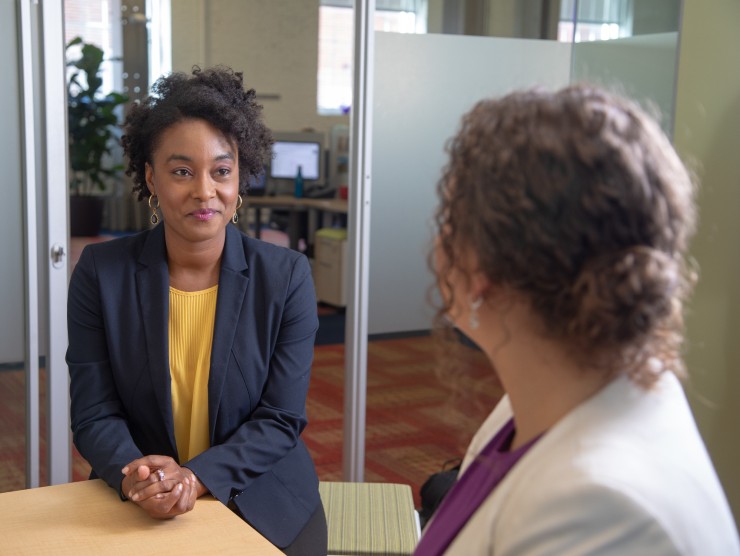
x=414 y=424
x=12 y=433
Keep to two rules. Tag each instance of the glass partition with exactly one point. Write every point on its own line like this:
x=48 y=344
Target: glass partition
x=34 y=436
x=12 y=340
x=423 y=85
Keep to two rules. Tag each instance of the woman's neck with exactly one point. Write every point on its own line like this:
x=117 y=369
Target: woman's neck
x=543 y=382
x=194 y=266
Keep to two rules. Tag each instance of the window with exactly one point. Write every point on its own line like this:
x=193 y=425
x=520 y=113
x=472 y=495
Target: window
x=100 y=23
x=92 y=22
x=595 y=21
x=336 y=24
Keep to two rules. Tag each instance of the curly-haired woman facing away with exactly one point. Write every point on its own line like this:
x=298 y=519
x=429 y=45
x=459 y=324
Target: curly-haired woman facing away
x=563 y=225
x=190 y=344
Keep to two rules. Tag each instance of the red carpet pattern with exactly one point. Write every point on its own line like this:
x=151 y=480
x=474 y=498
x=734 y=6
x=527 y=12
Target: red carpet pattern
x=413 y=425
x=13 y=434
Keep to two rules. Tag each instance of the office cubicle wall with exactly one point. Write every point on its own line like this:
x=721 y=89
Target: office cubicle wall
x=707 y=134
x=423 y=85
x=650 y=82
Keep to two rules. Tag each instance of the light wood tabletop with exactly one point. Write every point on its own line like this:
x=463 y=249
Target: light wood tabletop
x=88 y=518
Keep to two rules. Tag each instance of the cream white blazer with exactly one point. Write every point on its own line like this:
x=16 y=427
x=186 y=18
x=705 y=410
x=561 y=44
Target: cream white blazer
x=625 y=473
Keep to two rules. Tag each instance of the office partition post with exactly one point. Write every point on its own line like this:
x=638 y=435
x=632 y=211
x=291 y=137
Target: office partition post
x=59 y=454
x=30 y=239
x=355 y=363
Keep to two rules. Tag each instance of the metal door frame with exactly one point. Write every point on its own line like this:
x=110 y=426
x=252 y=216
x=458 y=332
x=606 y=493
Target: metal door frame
x=46 y=239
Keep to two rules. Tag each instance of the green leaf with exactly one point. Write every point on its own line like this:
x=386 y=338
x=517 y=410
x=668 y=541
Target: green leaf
x=92 y=121
x=73 y=42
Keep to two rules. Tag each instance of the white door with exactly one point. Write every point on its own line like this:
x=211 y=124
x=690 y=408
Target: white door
x=34 y=246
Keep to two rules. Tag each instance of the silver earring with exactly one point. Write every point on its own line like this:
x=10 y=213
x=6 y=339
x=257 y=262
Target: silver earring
x=474 y=306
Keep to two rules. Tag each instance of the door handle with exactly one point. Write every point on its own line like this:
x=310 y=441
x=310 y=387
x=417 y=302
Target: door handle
x=57 y=255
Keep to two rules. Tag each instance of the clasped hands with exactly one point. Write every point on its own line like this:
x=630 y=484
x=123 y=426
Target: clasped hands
x=160 y=486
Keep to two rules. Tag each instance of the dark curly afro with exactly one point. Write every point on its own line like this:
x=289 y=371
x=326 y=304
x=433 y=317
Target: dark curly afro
x=215 y=95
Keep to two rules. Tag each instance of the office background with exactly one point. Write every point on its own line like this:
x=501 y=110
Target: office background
x=707 y=133
x=276 y=43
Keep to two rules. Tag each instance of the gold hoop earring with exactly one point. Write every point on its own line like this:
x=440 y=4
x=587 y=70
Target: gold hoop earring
x=155 y=217
x=235 y=218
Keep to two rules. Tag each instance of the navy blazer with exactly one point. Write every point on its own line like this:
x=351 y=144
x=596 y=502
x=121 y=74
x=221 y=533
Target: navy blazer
x=263 y=340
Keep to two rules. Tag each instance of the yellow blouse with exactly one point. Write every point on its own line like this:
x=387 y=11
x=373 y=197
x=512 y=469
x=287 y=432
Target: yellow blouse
x=191 y=320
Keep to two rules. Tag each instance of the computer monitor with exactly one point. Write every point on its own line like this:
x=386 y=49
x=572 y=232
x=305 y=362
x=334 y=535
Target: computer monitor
x=291 y=150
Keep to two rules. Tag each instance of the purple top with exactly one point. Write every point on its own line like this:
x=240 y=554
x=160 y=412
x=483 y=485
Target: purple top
x=485 y=472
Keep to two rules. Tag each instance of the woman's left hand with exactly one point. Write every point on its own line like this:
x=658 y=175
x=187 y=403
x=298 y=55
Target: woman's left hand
x=160 y=486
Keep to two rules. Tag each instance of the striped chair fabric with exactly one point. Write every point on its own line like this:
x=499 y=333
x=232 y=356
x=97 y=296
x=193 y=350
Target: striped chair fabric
x=369 y=518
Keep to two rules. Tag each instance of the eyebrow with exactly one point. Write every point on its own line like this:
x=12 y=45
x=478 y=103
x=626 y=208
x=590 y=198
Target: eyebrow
x=186 y=158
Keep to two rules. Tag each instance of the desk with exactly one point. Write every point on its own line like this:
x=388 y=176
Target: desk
x=87 y=517
x=295 y=205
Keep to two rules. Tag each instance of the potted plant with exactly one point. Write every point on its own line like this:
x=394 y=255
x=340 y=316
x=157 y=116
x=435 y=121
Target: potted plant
x=93 y=133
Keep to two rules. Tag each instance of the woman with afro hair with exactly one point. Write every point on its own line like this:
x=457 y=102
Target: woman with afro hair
x=190 y=344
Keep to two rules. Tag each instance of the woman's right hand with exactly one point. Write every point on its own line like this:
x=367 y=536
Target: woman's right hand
x=160 y=486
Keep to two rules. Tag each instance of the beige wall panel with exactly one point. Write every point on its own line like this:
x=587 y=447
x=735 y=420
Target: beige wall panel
x=274 y=43
x=707 y=132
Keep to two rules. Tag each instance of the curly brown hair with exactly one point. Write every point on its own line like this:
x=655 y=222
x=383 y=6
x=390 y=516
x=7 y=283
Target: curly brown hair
x=215 y=95
x=577 y=201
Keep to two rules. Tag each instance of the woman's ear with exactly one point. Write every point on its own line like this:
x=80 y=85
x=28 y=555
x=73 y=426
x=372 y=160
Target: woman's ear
x=478 y=282
x=480 y=285
x=149 y=178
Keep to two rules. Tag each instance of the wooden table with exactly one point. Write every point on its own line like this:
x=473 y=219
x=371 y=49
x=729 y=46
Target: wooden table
x=88 y=518
x=295 y=205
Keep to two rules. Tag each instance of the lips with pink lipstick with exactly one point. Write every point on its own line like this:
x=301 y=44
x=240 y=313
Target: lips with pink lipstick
x=204 y=214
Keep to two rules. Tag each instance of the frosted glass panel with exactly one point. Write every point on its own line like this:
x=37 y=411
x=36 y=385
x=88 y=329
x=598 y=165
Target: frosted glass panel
x=641 y=67
x=423 y=85
x=11 y=224
x=12 y=293
x=642 y=64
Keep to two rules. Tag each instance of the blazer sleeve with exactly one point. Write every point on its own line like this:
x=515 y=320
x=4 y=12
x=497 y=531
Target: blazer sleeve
x=274 y=427
x=582 y=518
x=99 y=425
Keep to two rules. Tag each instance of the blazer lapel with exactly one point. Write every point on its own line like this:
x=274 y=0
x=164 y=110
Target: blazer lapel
x=232 y=288
x=153 y=281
